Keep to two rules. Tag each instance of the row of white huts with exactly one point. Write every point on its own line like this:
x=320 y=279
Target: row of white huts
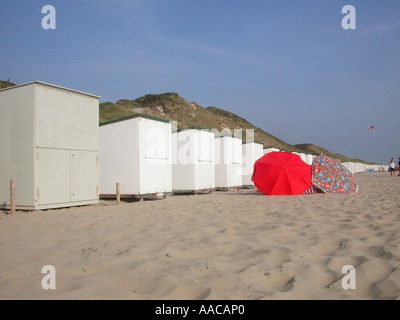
x=52 y=146
x=353 y=167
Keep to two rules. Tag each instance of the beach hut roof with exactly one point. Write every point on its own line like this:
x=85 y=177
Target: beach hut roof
x=133 y=116
x=194 y=128
x=258 y=142
x=49 y=85
x=228 y=136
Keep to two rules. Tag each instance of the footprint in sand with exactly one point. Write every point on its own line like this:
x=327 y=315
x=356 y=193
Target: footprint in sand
x=379 y=252
x=277 y=280
x=343 y=246
x=188 y=292
x=335 y=264
x=71 y=286
x=261 y=278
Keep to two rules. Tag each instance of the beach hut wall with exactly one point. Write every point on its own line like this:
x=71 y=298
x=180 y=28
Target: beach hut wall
x=362 y=167
x=348 y=166
x=267 y=150
x=355 y=167
x=49 y=146
x=193 y=164
x=251 y=152
x=228 y=162
x=135 y=152
x=378 y=167
x=303 y=157
x=309 y=159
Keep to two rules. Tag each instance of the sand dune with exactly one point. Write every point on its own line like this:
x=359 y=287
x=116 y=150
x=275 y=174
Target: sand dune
x=224 y=245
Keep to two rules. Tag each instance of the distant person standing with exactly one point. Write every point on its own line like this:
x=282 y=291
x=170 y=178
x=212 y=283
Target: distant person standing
x=399 y=167
x=392 y=168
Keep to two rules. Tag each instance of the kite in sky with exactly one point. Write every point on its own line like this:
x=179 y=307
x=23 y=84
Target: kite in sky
x=370 y=128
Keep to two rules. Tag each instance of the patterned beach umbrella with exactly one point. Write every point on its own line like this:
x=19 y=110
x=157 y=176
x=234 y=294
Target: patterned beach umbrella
x=331 y=176
x=281 y=173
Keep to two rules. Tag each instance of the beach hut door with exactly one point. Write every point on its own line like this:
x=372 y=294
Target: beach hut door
x=84 y=175
x=53 y=174
x=66 y=175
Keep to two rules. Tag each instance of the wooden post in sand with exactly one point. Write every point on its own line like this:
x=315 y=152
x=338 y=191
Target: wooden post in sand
x=12 y=196
x=118 y=194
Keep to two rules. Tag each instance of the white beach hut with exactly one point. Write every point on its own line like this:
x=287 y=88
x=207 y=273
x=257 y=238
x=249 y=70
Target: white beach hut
x=135 y=151
x=309 y=159
x=268 y=150
x=251 y=152
x=360 y=167
x=193 y=165
x=371 y=168
x=228 y=162
x=355 y=167
x=303 y=157
x=348 y=166
x=49 y=146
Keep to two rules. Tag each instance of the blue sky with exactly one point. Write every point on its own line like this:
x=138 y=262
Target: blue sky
x=286 y=66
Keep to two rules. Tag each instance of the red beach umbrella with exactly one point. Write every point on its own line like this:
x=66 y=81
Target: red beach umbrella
x=282 y=173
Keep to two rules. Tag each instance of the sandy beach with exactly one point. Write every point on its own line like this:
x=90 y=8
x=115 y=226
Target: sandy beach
x=223 y=245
